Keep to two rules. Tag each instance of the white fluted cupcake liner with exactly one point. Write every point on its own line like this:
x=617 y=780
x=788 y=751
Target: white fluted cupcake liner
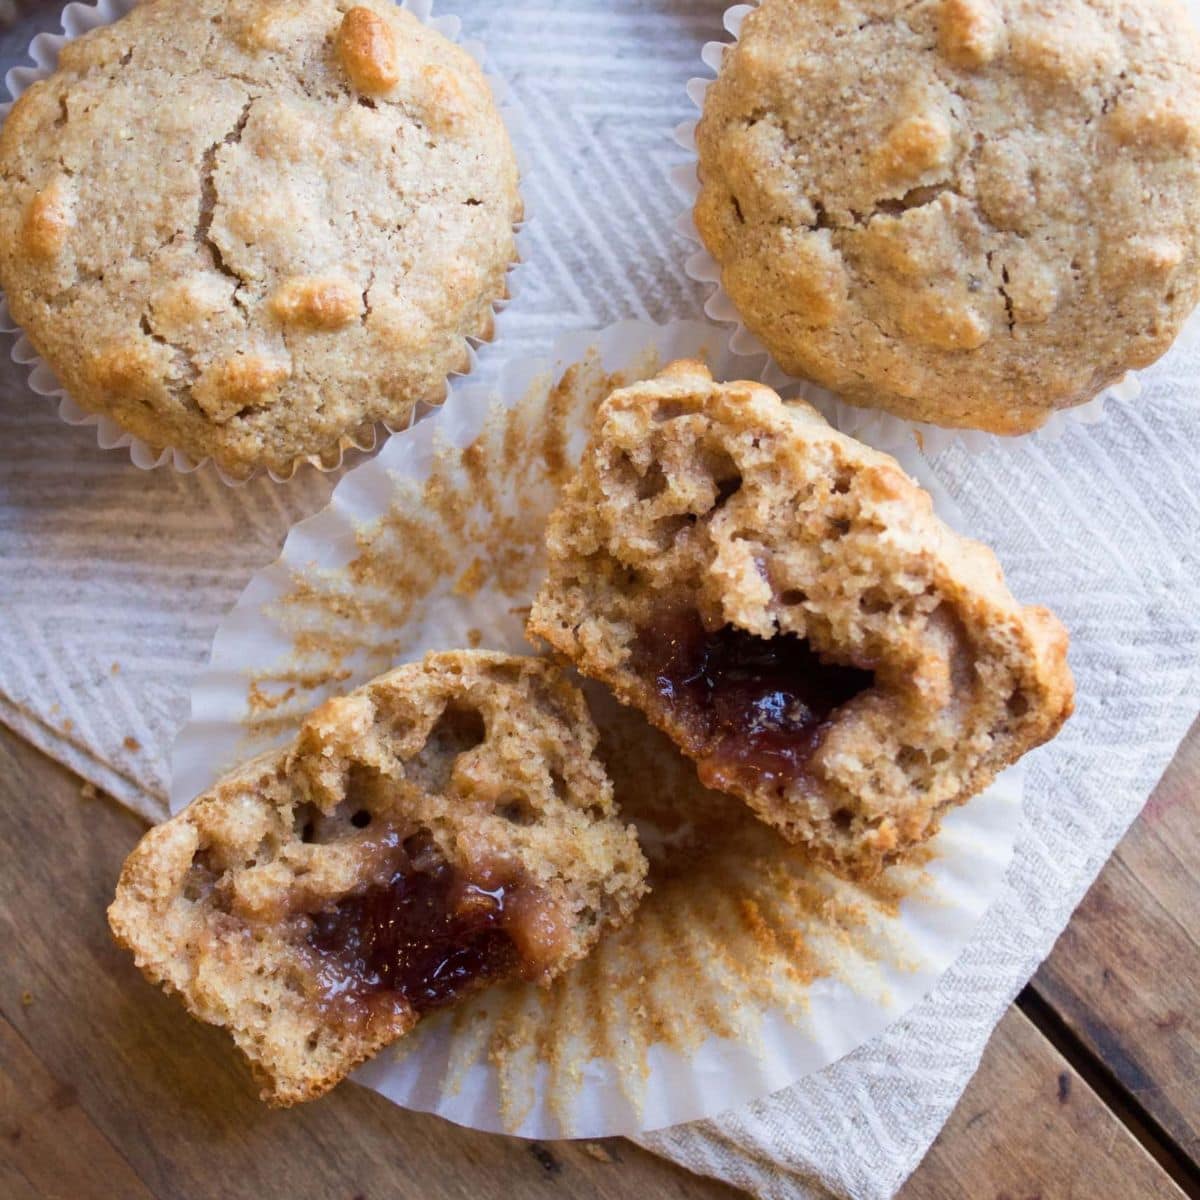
x=77 y=19
x=738 y=976
x=866 y=423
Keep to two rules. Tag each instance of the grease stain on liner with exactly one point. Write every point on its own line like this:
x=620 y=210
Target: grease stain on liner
x=735 y=915
x=79 y=18
x=493 y=496
x=746 y=967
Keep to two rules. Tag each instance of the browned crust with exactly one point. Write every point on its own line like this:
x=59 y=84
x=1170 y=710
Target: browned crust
x=340 y=210
x=207 y=901
x=892 y=192
x=826 y=539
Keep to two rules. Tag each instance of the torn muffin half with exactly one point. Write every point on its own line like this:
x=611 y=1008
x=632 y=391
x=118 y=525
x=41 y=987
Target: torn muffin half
x=782 y=602
x=443 y=828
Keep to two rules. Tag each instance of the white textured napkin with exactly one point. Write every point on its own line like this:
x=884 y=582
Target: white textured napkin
x=112 y=581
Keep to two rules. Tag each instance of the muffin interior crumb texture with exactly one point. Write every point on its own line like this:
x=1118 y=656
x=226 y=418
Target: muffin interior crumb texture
x=970 y=212
x=441 y=829
x=782 y=602
x=250 y=230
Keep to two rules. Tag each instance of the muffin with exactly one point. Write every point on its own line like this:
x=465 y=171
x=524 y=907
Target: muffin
x=969 y=212
x=782 y=602
x=445 y=827
x=250 y=230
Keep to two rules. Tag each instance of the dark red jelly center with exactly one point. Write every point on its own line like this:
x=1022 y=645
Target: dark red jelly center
x=754 y=704
x=426 y=935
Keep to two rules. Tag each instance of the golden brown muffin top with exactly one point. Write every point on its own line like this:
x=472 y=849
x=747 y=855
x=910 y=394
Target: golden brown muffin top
x=970 y=212
x=249 y=229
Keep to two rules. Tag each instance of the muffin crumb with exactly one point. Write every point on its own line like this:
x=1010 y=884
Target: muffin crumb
x=783 y=603
x=444 y=827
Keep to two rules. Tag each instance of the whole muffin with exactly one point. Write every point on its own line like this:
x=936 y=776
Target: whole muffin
x=247 y=229
x=970 y=212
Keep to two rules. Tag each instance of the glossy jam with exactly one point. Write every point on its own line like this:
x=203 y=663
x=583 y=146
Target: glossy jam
x=423 y=938
x=752 y=706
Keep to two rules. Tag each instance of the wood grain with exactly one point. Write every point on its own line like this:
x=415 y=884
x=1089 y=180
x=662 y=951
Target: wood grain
x=153 y=1104
x=1029 y=1127
x=49 y=1144
x=1125 y=976
x=108 y=1089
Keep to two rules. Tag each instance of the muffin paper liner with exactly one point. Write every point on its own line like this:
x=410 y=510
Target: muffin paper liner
x=866 y=423
x=746 y=968
x=77 y=19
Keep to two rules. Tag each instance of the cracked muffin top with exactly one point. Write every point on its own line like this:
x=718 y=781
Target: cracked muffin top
x=247 y=229
x=971 y=212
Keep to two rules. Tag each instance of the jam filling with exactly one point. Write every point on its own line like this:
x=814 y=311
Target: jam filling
x=421 y=938
x=754 y=708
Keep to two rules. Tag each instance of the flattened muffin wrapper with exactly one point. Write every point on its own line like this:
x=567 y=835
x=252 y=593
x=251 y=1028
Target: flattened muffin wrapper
x=870 y=425
x=77 y=19
x=746 y=968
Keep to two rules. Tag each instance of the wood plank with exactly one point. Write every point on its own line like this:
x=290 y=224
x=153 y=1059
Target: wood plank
x=1028 y=1127
x=169 y=1096
x=49 y=1146
x=1125 y=976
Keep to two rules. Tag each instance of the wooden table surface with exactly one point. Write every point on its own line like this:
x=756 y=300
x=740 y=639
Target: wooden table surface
x=1090 y=1087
